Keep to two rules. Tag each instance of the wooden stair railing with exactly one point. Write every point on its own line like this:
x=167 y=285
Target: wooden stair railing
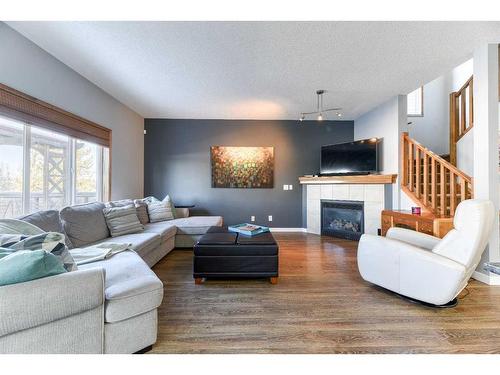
x=461 y=116
x=431 y=181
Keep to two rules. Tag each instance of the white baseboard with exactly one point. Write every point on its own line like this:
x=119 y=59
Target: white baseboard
x=487 y=279
x=300 y=230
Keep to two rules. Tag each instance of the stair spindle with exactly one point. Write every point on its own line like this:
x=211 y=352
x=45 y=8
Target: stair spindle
x=442 y=191
x=463 y=190
x=410 y=154
x=418 y=172
x=453 y=200
x=426 y=179
x=433 y=184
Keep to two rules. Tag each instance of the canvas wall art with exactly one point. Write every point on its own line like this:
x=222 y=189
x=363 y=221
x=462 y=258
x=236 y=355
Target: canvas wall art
x=242 y=167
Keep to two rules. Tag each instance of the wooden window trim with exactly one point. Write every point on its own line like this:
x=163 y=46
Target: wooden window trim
x=22 y=107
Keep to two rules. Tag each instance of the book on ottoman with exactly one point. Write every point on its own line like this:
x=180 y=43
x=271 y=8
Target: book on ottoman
x=248 y=229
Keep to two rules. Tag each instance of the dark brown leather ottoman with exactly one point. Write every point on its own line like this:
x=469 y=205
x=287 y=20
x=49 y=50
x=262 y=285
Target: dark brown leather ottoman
x=223 y=254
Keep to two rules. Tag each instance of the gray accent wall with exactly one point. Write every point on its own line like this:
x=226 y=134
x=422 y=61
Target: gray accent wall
x=177 y=162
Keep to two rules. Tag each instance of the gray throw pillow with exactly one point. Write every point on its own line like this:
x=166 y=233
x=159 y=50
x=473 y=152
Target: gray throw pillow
x=142 y=211
x=85 y=223
x=122 y=220
x=120 y=203
x=160 y=210
x=48 y=221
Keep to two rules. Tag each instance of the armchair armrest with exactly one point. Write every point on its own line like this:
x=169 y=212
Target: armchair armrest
x=33 y=303
x=410 y=270
x=413 y=237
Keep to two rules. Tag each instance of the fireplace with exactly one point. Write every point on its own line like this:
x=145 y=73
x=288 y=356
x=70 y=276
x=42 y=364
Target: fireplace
x=343 y=219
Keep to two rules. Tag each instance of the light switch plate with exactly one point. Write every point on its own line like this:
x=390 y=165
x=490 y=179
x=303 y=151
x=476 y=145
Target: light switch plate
x=285 y=187
x=270 y=217
x=252 y=218
x=290 y=187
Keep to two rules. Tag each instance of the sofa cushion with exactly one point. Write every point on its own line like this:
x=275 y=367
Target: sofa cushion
x=84 y=223
x=196 y=224
x=142 y=243
x=131 y=288
x=48 y=221
x=122 y=220
x=164 y=228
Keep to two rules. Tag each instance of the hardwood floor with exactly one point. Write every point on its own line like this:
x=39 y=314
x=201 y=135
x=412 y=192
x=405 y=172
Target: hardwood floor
x=320 y=305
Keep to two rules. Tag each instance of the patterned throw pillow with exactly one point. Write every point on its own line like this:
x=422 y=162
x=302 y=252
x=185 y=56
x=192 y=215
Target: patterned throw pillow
x=48 y=221
x=122 y=220
x=141 y=207
x=160 y=210
x=50 y=242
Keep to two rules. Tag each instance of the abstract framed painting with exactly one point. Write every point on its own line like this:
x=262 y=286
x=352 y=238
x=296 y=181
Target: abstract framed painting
x=242 y=167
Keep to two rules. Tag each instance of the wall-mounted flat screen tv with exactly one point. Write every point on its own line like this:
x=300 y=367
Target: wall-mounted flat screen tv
x=359 y=157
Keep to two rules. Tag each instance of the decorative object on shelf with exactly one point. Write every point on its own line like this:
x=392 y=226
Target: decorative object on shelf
x=416 y=210
x=320 y=111
x=242 y=167
x=248 y=229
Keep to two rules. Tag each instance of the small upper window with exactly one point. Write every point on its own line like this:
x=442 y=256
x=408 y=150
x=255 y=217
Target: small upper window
x=416 y=102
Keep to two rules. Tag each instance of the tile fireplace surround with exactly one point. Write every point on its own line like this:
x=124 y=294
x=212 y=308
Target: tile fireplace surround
x=373 y=196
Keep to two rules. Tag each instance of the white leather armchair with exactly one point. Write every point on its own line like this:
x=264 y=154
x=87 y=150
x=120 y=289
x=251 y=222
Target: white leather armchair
x=424 y=267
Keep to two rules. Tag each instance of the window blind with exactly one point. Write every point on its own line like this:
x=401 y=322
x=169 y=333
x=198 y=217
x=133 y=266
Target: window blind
x=22 y=107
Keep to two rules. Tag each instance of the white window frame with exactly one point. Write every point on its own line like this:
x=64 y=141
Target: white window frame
x=71 y=194
x=421 y=113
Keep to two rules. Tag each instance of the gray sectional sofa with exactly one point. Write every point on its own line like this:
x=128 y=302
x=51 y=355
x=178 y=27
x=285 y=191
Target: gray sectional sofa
x=109 y=306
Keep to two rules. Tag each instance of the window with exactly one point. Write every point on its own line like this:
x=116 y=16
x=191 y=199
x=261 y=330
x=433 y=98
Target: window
x=416 y=102
x=11 y=166
x=41 y=169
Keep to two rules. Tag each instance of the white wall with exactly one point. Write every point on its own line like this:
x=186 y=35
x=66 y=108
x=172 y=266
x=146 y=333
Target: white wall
x=433 y=129
x=387 y=121
x=27 y=68
x=486 y=118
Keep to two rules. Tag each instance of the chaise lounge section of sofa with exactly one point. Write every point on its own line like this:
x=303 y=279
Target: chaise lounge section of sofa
x=108 y=306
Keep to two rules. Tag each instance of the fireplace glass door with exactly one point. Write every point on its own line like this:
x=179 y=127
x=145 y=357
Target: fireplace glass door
x=343 y=219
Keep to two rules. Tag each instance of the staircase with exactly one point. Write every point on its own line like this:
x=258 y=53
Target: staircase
x=430 y=181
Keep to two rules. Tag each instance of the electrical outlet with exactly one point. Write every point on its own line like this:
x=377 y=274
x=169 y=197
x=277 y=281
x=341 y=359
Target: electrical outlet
x=252 y=218
x=270 y=217
x=285 y=187
x=290 y=187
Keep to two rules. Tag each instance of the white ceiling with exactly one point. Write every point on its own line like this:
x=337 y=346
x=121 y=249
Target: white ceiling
x=257 y=70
